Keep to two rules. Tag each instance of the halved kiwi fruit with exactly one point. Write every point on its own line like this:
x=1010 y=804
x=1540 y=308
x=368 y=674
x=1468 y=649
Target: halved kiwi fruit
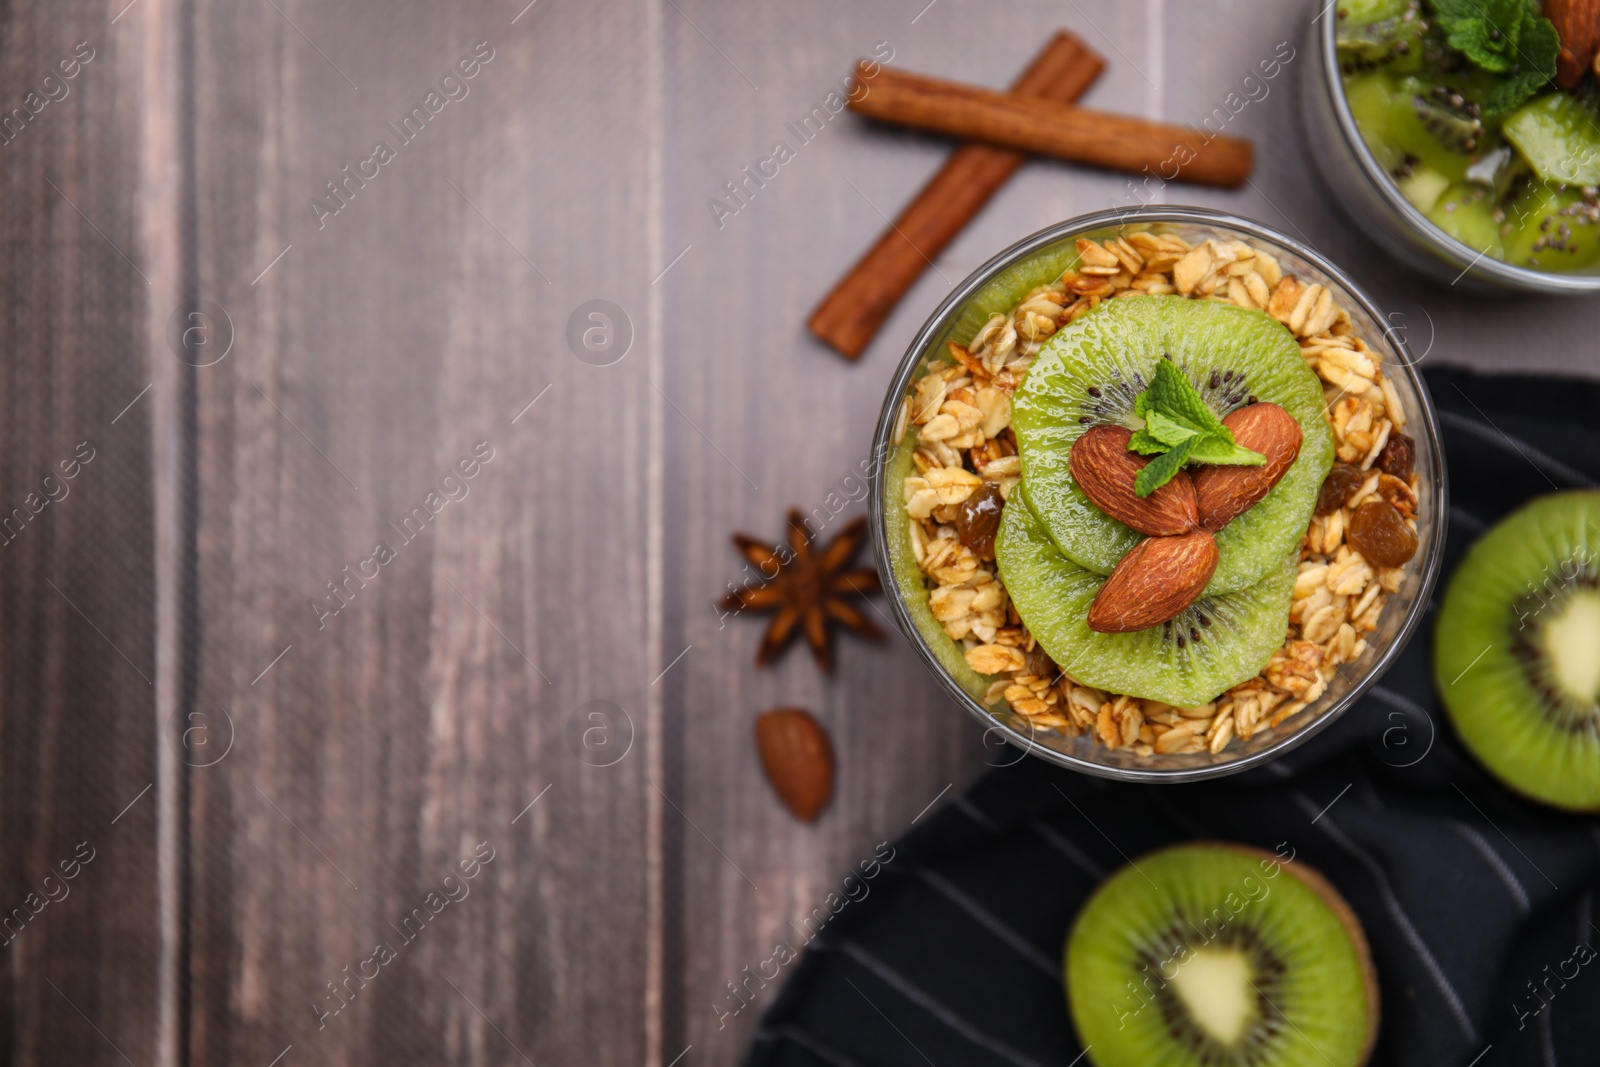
x=1220 y=955
x=1091 y=371
x=1211 y=646
x=1517 y=650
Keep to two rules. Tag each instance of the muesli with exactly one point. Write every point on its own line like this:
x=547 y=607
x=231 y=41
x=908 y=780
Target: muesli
x=1342 y=566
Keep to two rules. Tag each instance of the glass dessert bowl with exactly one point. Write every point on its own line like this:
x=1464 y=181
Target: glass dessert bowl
x=1468 y=155
x=1237 y=615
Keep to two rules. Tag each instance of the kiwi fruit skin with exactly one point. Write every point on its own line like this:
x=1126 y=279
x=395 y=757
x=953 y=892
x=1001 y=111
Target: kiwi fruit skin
x=1123 y=339
x=1104 y=945
x=1485 y=684
x=1239 y=631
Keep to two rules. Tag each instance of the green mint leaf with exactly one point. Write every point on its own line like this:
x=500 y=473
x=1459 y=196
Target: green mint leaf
x=1146 y=445
x=1162 y=469
x=1221 y=450
x=1537 y=48
x=1488 y=32
x=1174 y=395
x=1168 y=430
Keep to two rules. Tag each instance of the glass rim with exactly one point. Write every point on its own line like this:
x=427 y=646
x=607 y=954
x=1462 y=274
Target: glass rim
x=941 y=319
x=1459 y=253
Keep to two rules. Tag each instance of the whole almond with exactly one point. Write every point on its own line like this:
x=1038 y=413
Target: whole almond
x=1155 y=581
x=1577 y=24
x=797 y=759
x=1224 y=493
x=1105 y=470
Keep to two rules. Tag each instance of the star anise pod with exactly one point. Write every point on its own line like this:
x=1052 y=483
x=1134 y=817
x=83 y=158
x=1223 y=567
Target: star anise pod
x=807 y=590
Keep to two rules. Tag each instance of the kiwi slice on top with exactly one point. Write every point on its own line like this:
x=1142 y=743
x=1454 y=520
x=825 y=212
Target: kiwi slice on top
x=1517 y=650
x=1211 y=646
x=1091 y=371
x=1220 y=955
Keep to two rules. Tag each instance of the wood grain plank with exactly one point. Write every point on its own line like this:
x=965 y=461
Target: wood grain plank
x=417 y=713
x=79 y=723
x=770 y=418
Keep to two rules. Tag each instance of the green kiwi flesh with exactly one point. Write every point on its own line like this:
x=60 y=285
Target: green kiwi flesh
x=1517 y=650
x=1409 y=123
x=1466 y=211
x=1552 y=228
x=1213 y=645
x=1220 y=955
x=1379 y=33
x=1090 y=372
x=1559 y=136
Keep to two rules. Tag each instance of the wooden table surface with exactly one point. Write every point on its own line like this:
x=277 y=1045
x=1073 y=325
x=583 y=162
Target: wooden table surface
x=277 y=742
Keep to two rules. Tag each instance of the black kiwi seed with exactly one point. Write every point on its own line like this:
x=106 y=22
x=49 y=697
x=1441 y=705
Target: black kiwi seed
x=1205 y=620
x=1094 y=391
x=1215 y=380
x=1194 y=633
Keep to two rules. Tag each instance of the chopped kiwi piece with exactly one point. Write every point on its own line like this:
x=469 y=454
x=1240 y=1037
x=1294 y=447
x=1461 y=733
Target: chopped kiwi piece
x=1450 y=118
x=1552 y=227
x=1559 y=136
x=1220 y=955
x=1380 y=33
x=1517 y=650
x=1355 y=15
x=1467 y=212
x=1211 y=646
x=1089 y=374
x=1407 y=121
x=1422 y=185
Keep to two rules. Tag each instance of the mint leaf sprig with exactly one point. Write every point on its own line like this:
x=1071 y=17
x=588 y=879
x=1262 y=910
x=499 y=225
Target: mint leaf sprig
x=1180 y=428
x=1507 y=37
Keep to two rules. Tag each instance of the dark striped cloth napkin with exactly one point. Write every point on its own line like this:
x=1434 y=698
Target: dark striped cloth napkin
x=1476 y=902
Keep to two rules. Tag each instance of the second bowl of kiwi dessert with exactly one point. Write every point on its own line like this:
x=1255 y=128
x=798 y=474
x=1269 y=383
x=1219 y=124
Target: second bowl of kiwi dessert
x=1464 y=136
x=1158 y=496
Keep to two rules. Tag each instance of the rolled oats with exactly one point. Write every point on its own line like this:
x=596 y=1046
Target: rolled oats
x=995 y=659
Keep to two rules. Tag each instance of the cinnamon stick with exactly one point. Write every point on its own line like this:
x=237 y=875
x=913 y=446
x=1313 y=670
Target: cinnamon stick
x=851 y=315
x=1120 y=142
